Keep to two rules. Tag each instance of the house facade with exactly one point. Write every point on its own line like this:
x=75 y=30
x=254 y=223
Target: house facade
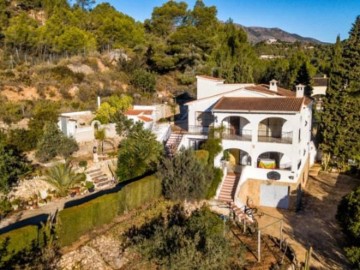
x=265 y=135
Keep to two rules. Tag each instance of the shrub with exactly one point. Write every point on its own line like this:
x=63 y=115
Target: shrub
x=184 y=177
x=202 y=156
x=179 y=241
x=76 y=221
x=348 y=215
x=144 y=80
x=217 y=177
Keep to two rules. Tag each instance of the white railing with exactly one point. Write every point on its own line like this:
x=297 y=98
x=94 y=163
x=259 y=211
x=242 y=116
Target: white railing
x=245 y=175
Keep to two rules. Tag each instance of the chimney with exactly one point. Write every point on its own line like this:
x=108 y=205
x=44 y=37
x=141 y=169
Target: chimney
x=273 y=85
x=98 y=101
x=300 y=90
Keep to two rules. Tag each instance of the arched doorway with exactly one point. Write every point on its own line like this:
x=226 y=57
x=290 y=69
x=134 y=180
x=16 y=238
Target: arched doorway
x=236 y=159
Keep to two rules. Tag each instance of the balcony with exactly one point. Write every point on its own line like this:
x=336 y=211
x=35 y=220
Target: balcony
x=282 y=137
x=198 y=130
x=237 y=135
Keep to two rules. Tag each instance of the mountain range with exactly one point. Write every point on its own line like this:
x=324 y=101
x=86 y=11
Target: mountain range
x=258 y=34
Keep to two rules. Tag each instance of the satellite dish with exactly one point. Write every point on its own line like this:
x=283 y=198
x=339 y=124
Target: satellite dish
x=273 y=175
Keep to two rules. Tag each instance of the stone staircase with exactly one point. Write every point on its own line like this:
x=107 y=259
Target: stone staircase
x=172 y=143
x=228 y=188
x=99 y=178
x=314 y=170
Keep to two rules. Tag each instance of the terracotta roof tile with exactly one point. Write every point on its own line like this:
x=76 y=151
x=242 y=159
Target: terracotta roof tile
x=263 y=88
x=145 y=119
x=137 y=112
x=259 y=104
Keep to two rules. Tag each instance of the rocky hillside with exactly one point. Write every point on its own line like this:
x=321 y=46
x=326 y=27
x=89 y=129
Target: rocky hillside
x=258 y=34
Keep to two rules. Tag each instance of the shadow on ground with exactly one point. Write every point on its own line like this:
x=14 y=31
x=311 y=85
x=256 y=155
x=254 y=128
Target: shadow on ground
x=315 y=224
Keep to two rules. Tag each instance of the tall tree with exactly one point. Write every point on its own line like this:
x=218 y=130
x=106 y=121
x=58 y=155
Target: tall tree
x=85 y=4
x=13 y=164
x=340 y=122
x=167 y=18
x=332 y=115
x=234 y=56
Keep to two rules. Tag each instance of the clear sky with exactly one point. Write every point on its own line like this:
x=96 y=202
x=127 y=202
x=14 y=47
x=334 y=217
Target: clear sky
x=320 y=19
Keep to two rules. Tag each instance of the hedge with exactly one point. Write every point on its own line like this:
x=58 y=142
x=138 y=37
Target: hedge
x=76 y=221
x=18 y=240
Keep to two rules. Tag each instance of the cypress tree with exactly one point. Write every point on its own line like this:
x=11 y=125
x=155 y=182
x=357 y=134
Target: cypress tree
x=341 y=118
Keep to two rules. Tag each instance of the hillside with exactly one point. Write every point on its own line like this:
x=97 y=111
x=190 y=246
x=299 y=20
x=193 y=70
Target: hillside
x=258 y=34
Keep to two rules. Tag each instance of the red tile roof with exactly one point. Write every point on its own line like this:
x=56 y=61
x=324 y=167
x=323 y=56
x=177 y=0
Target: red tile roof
x=145 y=119
x=263 y=88
x=137 y=112
x=259 y=104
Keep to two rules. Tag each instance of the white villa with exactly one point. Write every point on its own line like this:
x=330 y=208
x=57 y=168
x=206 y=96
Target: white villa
x=265 y=130
x=81 y=125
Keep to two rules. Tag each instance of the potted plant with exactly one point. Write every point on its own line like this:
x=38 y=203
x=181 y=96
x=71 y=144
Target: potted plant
x=90 y=186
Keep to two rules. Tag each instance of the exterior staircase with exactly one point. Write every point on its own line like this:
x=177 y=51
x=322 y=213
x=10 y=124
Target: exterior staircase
x=314 y=170
x=172 y=143
x=228 y=188
x=99 y=178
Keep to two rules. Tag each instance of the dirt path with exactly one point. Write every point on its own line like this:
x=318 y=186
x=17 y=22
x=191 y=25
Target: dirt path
x=315 y=225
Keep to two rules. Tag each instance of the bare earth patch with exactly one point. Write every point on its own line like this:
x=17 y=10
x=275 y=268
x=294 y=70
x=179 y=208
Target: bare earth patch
x=315 y=225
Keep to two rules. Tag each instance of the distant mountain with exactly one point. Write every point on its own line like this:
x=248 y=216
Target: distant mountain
x=258 y=34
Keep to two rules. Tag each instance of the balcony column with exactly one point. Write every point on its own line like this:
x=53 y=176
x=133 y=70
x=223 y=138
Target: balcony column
x=254 y=131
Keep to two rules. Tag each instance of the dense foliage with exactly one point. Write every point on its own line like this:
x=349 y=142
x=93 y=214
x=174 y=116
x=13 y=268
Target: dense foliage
x=185 y=176
x=13 y=165
x=53 y=142
x=179 y=241
x=340 y=122
x=139 y=153
x=348 y=215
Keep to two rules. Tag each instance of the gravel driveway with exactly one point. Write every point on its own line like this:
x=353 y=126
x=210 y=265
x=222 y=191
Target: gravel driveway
x=315 y=225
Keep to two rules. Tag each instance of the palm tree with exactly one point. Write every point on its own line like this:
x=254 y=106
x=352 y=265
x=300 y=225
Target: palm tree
x=62 y=177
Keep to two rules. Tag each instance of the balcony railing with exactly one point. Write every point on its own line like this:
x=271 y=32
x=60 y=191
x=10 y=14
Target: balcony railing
x=199 y=130
x=227 y=134
x=238 y=135
x=284 y=137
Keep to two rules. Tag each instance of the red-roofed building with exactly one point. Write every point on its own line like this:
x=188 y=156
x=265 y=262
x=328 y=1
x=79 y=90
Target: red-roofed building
x=265 y=132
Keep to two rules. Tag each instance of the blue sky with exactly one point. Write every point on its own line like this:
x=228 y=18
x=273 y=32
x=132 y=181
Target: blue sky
x=320 y=19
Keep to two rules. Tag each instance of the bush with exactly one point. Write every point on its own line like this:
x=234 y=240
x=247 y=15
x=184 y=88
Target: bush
x=76 y=221
x=348 y=215
x=144 y=80
x=202 y=156
x=184 y=177
x=217 y=177
x=5 y=207
x=179 y=241
x=18 y=240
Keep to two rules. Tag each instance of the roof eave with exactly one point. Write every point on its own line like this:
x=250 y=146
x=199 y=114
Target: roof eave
x=256 y=111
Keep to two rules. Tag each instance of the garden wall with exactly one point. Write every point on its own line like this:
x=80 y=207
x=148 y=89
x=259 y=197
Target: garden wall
x=76 y=221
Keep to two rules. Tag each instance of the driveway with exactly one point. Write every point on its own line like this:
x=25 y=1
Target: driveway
x=315 y=225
